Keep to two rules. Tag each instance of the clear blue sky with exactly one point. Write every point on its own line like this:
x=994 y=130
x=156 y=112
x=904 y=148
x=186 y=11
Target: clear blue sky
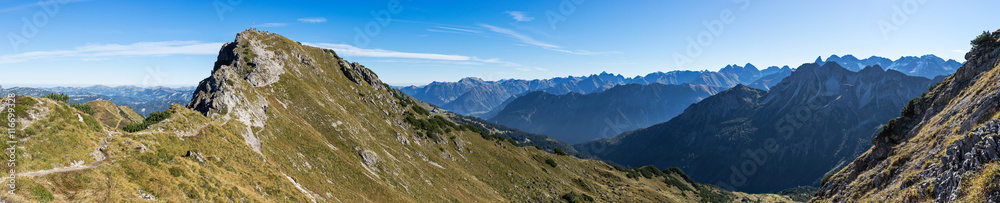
x=174 y=43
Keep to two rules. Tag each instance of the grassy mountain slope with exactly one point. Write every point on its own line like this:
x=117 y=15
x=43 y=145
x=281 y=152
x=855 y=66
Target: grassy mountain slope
x=114 y=116
x=941 y=148
x=281 y=122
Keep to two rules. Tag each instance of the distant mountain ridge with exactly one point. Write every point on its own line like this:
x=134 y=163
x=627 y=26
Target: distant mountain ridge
x=820 y=116
x=576 y=118
x=928 y=66
x=476 y=97
x=144 y=100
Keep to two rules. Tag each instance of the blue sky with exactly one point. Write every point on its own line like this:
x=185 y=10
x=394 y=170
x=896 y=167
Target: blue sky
x=175 y=43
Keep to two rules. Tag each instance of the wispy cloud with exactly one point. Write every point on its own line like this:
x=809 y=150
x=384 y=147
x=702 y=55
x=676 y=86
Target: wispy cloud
x=348 y=50
x=362 y=52
x=531 y=41
x=523 y=38
x=313 y=20
x=101 y=51
x=520 y=16
x=458 y=29
x=273 y=25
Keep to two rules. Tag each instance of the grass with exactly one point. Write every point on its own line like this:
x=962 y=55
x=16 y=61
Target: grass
x=41 y=194
x=978 y=186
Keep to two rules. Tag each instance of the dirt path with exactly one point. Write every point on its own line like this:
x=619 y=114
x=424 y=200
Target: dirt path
x=98 y=154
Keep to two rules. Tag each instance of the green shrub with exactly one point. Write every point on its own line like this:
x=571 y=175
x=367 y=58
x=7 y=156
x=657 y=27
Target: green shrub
x=58 y=97
x=908 y=110
x=671 y=181
x=573 y=197
x=85 y=108
x=711 y=193
x=551 y=162
x=934 y=86
x=42 y=194
x=176 y=172
x=153 y=118
x=885 y=128
x=511 y=141
x=559 y=151
x=650 y=171
x=420 y=110
x=827 y=177
x=680 y=173
x=983 y=39
x=800 y=193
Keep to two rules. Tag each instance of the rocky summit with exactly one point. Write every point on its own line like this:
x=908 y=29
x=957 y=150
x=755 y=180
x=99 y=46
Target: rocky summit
x=277 y=121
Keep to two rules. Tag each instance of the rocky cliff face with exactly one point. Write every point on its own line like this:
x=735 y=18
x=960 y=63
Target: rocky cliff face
x=942 y=147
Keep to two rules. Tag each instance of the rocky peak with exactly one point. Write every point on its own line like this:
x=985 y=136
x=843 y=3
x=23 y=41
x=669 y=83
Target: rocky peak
x=470 y=80
x=246 y=69
x=833 y=58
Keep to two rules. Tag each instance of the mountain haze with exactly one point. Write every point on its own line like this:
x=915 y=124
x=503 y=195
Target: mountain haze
x=576 y=118
x=484 y=99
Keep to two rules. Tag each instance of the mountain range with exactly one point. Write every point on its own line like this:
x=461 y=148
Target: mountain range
x=816 y=119
x=144 y=100
x=576 y=118
x=476 y=97
x=928 y=66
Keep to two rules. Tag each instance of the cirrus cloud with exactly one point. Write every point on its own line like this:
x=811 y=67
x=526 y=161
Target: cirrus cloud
x=102 y=51
x=520 y=16
x=313 y=20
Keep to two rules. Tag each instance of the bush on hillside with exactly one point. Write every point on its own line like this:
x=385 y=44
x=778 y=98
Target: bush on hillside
x=983 y=39
x=559 y=151
x=573 y=197
x=153 y=118
x=58 y=97
x=908 y=110
x=800 y=193
x=85 y=108
x=551 y=162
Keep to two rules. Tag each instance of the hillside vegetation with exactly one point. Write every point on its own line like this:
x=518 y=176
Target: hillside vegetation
x=281 y=122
